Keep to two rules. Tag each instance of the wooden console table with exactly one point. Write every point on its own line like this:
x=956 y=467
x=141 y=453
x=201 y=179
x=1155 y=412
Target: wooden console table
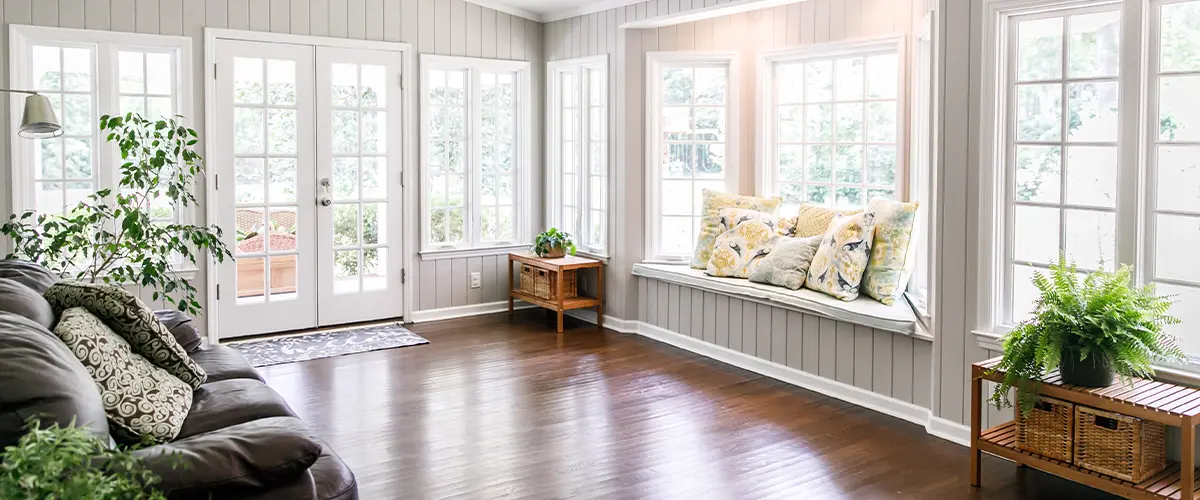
x=559 y=265
x=1171 y=404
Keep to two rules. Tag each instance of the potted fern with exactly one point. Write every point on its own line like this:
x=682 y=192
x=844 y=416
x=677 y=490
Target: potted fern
x=1090 y=329
x=553 y=244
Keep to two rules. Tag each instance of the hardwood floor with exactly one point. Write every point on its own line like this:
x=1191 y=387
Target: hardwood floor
x=492 y=409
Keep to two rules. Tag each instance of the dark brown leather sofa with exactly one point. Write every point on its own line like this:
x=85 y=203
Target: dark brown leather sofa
x=240 y=439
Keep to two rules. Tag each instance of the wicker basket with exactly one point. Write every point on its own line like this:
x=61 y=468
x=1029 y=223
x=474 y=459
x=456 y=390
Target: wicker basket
x=1119 y=445
x=543 y=284
x=1047 y=429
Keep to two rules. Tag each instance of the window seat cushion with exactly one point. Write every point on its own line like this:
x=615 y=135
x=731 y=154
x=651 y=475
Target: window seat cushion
x=898 y=318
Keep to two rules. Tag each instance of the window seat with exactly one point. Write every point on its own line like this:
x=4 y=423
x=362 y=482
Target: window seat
x=898 y=318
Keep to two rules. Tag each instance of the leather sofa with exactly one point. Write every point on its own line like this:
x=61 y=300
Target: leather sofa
x=240 y=439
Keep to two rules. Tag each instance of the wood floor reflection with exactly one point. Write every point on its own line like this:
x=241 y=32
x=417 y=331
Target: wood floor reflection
x=492 y=409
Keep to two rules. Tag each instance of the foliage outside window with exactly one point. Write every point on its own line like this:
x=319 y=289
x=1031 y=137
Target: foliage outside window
x=577 y=152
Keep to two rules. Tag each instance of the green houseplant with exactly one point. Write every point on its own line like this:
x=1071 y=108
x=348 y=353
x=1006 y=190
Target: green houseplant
x=127 y=234
x=1089 y=329
x=553 y=244
x=69 y=463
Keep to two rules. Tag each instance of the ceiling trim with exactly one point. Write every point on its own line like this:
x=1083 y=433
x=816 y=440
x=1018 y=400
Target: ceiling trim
x=588 y=8
x=508 y=9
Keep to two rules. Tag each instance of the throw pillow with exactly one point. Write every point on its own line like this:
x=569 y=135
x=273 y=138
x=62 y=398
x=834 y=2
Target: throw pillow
x=28 y=273
x=891 y=257
x=23 y=301
x=787 y=264
x=710 y=222
x=813 y=220
x=140 y=399
x=181 y=327
x=130 y=318
x=837 y=268
x=743 y=242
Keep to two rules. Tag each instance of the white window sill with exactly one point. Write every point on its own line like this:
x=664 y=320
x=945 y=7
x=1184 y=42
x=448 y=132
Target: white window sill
x=592 y=255
x=1189 y=374
x=187 y=273
x=897 y=318
x=458 y=253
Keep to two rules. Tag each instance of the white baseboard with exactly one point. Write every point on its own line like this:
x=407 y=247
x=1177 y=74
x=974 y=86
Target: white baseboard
x=939 y=427
x=464 y=311
x=610 y=322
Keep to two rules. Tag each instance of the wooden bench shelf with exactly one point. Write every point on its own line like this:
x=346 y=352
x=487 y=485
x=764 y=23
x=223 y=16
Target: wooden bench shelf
x=1171 y=404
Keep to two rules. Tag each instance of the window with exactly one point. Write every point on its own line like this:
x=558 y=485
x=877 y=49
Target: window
x=577 y=150
x=475 y=173
x=1093 y=150
x=692 y=125
x=922 y=176
x=829 y=127
x=87 y=74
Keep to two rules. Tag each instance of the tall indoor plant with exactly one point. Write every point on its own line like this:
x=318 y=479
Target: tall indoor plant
x=1090 y=329
x=127 y=235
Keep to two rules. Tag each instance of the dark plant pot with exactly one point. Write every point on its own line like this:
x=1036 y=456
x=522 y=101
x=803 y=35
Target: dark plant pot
x=554 y=252
x=1092 y=372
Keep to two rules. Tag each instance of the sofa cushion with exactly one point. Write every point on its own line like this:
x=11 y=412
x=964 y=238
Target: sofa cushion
x=216 y=405
x=27 y=273
x=181 y=327
x=130 y=318
x=40 y=376
x=140 y=399
x=222 y=362
x=235 y=460
x=328 y=479
x=21 y=300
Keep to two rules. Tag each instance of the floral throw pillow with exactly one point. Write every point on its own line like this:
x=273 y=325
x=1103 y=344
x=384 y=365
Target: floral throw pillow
x=837 y=268
x=787 y=264
x=140 y=399
x=745 y=240
x=131 y=319
x=710 y=222
x=891 y=256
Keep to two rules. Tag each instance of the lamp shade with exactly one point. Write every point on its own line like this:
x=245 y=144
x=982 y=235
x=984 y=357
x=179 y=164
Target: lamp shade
x=39 y=121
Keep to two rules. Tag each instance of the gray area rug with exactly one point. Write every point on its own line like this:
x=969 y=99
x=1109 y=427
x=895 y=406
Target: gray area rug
x=319 y=345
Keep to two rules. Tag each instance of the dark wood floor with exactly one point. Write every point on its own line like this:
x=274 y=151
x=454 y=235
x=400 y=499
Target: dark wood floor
x=491 y=409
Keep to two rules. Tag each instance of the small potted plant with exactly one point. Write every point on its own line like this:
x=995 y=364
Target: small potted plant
x=553 y=244
x=1090 y=329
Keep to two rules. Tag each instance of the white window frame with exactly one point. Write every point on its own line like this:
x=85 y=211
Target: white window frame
x=554 y=189
x=106 y=75
x=766 y=145
x=522 y=158
x=923 y=170
x=655 y=61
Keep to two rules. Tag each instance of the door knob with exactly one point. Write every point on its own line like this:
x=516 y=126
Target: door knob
x=325 y=202
x=325 y=182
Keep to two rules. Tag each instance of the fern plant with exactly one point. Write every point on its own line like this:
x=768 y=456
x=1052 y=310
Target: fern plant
x=1099 y=318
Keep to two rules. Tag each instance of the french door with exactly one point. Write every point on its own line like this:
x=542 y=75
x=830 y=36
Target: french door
x=308 y=162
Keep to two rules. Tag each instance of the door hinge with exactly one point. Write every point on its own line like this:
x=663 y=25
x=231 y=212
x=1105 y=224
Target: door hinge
x=404 y=275
x=214 y=71
x=216 y=182
x=218 y=292
x=401 y=178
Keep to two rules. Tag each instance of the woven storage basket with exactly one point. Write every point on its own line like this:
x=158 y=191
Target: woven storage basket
x=1047 y=429
x=545 y=283
x=1119 y=445
x=527 y=279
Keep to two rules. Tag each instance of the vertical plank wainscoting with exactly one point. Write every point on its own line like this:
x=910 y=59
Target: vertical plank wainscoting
x=882 y=370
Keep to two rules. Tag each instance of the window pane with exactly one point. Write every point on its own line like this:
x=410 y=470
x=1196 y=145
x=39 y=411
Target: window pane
x=710 y=85
x=1175 y=240
x=375 y=224
x=818 y=81
x=850 y=122
x=159 y=71
x=881 y=165
x=76 y=113
x=247 y=80
x=791 y=128
x=374 y=86
x=132 y=73
x=345 y=131
x=1035 y=234
x=676 y=197
x=345 y=224
x=849 y=78
x=710 y=124
x=248 y=180
x=1093 y=111
x=1091 y=238
x=247 y=130
x=677 y=85
x=46 y=66
x=282 y=131
x=791 y=163
x=710 y=161
x=345 y=178
x=77 y=69
x=677 y=235
x=881 y=122
x=1179 y=108
x=1094 y=46
x=848 y=164
x=882 y=76
x=281 y=77
x=375 y=269
x=159 y=107
x=374 y=132
x=1179 y=178
x=1092 y=176
x=1180 y=34
x=345 y=84
x=819 y=163
x=819 y=195
x=789 y=83
x=676 y=123
x=345 y=271
x=677 y=160
x=850 y=197
x=818 y=119
x=1038 y=173
x=1039 y=49
x=1039 y=112
x=48 y=158
x=79 y=158
x=1024 y=295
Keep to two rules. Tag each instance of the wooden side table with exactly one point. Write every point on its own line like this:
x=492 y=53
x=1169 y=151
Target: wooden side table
x=558 y=265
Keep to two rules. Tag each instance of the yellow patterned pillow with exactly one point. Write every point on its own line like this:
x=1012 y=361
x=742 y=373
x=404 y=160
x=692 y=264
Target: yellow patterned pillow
x=710 y=223
x=888 y=269
x=837 y=268
x=743 y=244
x=812 y=220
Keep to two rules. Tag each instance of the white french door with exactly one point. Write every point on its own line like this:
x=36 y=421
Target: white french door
x=308 y=162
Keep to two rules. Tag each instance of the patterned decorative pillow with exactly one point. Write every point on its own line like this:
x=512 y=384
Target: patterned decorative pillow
x=812 y=220
x=837 y=268
x=139 y=398
x=710 y=223
x=132 y=320
x=891 y=257
x=743 y=243
x=787 y=264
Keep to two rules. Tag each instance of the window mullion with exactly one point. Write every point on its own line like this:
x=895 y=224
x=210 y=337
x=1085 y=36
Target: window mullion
x=1130 y=80
x=474 y=233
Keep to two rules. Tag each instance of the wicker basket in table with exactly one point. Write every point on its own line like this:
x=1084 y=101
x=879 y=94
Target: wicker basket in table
x=1047 y=429
x=543 y=284
x=1119 y=445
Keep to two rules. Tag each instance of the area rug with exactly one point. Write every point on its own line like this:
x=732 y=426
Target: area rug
x=328 y=344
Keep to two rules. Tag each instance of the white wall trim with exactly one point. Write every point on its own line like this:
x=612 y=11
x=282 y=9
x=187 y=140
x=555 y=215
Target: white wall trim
x=939 y=427
x=508 y=9
x=464 y=311
x=610 y=322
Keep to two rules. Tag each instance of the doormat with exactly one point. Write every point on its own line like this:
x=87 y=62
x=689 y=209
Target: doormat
x=328 y=344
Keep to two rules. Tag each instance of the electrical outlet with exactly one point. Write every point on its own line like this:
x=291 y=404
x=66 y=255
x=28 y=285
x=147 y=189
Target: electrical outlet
x=474 y=280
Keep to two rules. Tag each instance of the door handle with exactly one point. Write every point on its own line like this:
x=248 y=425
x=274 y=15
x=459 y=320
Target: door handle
x=325 y=202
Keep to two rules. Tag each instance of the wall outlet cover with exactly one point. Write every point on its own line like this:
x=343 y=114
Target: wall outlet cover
x=474 y=280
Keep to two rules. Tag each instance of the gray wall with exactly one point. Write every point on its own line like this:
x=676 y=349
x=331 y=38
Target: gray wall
x=886 y=363
x=447 y=27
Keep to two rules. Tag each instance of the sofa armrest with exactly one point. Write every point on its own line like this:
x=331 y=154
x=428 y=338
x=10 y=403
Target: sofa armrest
x=181 y=327
x=249 y=456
